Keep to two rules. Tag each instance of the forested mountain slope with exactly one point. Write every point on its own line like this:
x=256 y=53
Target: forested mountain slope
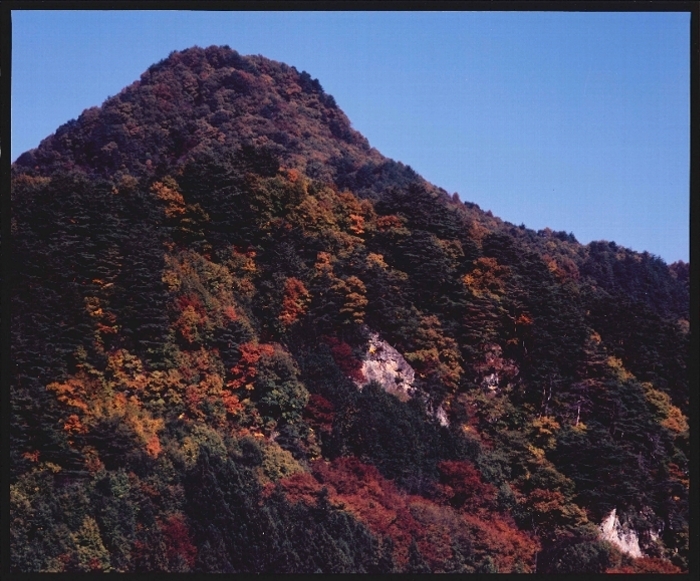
x=202 y=265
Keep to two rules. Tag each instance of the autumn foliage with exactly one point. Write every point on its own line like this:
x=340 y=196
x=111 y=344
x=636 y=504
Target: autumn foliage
x=198 y=267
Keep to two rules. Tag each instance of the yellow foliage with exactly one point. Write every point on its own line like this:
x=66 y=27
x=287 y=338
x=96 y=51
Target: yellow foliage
x=536 y=452
x=355 y=298
x=487 y=277
x=170 y=278
x=315 y=215
x=546 y=425
x=277 y=464
x=669 y=416
x=658 y=399
x=543 y=431
x=616 y=365
x=436 y=352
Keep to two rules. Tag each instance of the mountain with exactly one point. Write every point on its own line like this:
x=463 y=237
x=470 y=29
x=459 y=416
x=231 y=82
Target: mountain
x=245 y=341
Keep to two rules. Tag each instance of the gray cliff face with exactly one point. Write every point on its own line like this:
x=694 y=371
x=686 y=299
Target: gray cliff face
x=625 y=538
x=386 y=366
x=637 y=541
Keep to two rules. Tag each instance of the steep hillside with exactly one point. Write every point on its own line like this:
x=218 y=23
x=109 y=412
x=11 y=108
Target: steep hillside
x=245 y=341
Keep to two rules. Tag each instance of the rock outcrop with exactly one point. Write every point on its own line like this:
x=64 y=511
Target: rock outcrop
x=624 y=538
x=385 y=365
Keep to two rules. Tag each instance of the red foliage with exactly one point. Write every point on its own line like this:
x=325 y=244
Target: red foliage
x=192 y=317
x=648 y=565
x=362 y=491
x=462 y=485
x=246 y=370
x=501 y=539
x=232 y=404
x=178 y=541
x=230 y=313
x=373 y=499
x=184 y=301
x=319 y=413
x=345 y=359
x=301 y=487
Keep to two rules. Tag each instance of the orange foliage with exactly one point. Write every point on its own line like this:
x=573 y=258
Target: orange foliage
x=295 y=302
x=524 y=319
x=192 y=317
x=357 y=224
x=389 y=222
x=675 y=420
x=488 y=277
x=153 y=447
x=356 y=212
x=231 y=402
x=32 y=456
x=70 y=392
x=245 y=371
x=98 y=397
x=74 y=425
x=167 y=192
x=563 y=268
x=323 y=262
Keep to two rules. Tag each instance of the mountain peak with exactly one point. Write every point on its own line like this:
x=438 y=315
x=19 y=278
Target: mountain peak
x=208 y=98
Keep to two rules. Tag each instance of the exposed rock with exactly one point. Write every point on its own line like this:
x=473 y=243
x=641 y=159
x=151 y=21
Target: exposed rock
x=385 y=365
x=388 y=368
x=440 y=414
x=623 y=537
x=491 y=381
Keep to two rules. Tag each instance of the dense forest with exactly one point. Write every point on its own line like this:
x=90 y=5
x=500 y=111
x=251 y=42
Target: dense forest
x=199 y=266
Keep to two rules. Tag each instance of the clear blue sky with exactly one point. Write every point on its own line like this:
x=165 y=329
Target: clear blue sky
x=575 y=121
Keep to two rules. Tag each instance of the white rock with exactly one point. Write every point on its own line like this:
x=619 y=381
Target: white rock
x=385 y=365
x=626 y=540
